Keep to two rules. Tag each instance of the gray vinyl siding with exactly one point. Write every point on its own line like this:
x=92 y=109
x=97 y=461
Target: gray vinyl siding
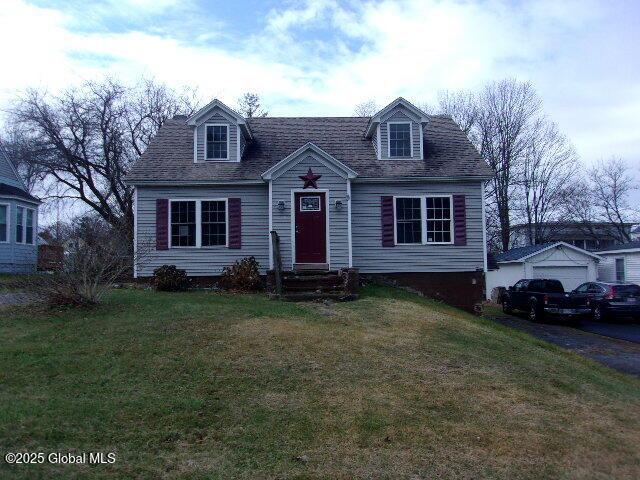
x=18 y=257
x=338 y=219
x=399 y=115
x=369 y=255
x=7 y=174
x=207 y=261
x=218 y=116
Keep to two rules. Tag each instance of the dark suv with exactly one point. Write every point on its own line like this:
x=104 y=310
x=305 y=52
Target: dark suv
x=609 y=299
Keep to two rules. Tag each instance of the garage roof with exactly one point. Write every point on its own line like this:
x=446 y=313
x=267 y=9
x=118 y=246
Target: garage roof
x=522 y=253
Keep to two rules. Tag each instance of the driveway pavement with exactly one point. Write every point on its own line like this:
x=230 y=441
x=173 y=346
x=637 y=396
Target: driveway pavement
x=614 y=345
x=629 y=331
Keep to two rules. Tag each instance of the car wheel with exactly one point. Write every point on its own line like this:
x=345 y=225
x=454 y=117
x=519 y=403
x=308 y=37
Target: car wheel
x=506 y=307
x=533 y=313
x=597 y=314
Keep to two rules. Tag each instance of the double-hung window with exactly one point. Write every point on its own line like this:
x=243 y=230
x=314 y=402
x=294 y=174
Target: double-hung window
x=217 y=142
x=439 y=221
x=199 y=223
x=183 y=223
x=399 y=139
x=214 y=223
x=25 y=225
x=620 y=270
x=4 y=222
x=408 y=220
x=424 y=219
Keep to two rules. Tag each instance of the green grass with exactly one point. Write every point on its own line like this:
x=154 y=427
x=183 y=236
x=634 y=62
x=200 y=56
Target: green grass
x=203 y=385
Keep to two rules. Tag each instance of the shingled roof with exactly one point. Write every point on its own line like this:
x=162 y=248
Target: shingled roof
x=169 y=158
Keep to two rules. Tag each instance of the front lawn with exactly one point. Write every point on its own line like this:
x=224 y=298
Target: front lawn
x=204 y=385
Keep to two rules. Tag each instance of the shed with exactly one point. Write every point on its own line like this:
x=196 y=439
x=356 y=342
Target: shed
x=620 y=263
x=558 y=260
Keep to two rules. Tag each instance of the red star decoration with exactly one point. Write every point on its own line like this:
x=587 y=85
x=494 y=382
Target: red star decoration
x=310 y=179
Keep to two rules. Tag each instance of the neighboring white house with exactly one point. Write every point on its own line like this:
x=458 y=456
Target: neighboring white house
x=558 y=260
x=620 y=263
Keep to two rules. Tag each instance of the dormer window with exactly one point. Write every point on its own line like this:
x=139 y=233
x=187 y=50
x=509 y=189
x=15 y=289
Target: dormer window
x=400 y=139
x=217 y=142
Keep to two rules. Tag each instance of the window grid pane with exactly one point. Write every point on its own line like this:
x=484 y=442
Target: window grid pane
x=400 y=139
x=438 y=220
x=183 y=224
x=408 y=220
x=217 y=141
x=214 y=223
x=19 y=224
x=3 y=223
x=29 y=226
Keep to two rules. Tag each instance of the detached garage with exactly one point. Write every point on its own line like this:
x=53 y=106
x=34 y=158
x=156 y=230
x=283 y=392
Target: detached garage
x=558 y=260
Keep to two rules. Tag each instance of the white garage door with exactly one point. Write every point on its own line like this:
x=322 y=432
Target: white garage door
x=570 y=277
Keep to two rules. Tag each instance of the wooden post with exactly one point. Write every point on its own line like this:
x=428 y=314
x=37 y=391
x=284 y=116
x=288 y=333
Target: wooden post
x=277 y=261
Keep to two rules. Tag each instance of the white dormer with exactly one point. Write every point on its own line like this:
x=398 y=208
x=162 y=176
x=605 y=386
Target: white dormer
x=396 y=131
x=220 y=134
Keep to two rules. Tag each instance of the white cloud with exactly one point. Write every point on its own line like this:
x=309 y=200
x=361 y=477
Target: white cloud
x=323 y=57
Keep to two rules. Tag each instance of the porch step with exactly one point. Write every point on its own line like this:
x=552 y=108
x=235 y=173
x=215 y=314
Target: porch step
x=314 y=288
x=309 y=297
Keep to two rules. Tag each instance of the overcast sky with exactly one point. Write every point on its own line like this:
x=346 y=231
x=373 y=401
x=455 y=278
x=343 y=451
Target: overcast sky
x=323 y=57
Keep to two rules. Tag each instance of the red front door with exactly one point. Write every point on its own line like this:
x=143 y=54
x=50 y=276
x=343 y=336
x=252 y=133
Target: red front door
x=311 y=227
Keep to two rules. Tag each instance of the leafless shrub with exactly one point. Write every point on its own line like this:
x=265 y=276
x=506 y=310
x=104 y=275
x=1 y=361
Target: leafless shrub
x=96 y=257
x=243 y=275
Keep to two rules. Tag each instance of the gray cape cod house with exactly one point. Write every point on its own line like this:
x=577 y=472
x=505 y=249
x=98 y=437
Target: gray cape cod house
x=18 y=221
x=398 y=194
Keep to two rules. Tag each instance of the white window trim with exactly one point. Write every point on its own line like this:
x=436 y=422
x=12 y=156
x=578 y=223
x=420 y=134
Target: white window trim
x=389 y=137
x=312 y=196
x=451 y=220
x=624 y=268
x=8 y=205
x=206 y=126
x=23 y=241
x=199 y=222
x=423 y=219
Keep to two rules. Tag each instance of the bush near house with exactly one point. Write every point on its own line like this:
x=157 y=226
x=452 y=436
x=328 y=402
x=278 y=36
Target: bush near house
x=169 y=278
x=242 y=276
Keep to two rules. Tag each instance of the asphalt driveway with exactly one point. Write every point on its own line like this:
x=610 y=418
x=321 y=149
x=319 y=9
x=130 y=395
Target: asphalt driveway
x=629 y=331
x=616 y=345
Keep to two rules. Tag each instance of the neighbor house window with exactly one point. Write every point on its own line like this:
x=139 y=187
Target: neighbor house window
x=4 y=223
x=399 y=139
x=19 y=224
x=408 y=220
x=183 y=224
x=217 y=142
x=620 y=270
x=29 y=227
x=214 y=223
x=439 y=220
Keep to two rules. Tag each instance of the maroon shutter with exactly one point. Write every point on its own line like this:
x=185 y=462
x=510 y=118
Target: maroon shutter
x=387 y=219
x=460 y=220
x=235 y=223
x=162 y=221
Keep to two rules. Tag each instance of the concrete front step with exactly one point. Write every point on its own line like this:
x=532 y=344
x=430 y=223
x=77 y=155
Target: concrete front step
x=310 y=297
x=313 y=288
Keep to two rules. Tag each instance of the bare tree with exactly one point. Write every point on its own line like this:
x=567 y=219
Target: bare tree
x=365 y=109
x=545 y=179
x=87 y=138
x=604 y=198
x=462 y=106
x=506 y=111
x=249 y=106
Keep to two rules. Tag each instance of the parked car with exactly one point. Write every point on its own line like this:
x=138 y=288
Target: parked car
x=609 y=299
x=540 y=297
